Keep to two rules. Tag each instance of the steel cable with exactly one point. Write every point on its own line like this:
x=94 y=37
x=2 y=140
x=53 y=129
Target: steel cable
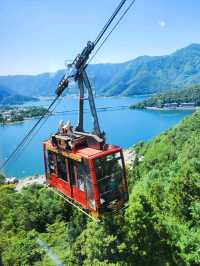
x=26 y=139
x=114 y=27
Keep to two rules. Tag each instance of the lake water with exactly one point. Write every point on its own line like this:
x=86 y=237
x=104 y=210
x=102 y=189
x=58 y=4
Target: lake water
x=123 y=127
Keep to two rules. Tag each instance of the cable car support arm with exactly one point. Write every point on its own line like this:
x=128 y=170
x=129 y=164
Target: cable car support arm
x=85 y=82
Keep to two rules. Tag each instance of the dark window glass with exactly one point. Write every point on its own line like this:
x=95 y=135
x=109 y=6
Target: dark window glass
x=62 y=170
x=84 y=182
x=51 y=162
x=71 y=172
x=83 y=177
x=80 y=178
x=109 y=172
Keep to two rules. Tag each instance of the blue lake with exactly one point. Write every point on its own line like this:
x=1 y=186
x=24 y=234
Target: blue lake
x=123 y=127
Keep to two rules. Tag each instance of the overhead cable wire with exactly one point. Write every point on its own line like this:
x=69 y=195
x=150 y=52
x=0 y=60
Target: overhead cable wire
x=31 y=136
x=114 y=27
x=109 y=22
x=99 y=36
x=15 y=151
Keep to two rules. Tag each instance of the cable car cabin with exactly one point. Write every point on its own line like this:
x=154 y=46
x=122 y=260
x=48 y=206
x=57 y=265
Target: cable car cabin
x=90 y=178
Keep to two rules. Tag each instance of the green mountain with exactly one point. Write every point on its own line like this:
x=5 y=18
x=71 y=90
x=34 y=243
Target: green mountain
x=150 y=74
x=8 y=97
x=187 y=95
x=143 y=75
x=160 y=226
x=45 y=84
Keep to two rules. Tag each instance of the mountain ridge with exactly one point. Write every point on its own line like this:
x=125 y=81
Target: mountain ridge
x=142 y=75
x=9 y=97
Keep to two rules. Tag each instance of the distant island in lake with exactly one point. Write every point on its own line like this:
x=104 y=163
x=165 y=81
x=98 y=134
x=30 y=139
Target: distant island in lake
x=10 y=114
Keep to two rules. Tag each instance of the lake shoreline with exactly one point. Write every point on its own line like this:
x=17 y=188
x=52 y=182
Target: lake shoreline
x=19 y=122
x=14 y=115
x=122 y=127
x=30 y=180
x=170 y=109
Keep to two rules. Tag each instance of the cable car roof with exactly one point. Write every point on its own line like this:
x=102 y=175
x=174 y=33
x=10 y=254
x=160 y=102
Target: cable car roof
x=86 y=152
x=93 y=153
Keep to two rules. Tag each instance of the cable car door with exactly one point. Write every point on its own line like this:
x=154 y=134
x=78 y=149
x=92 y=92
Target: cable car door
x=78 y=182
x=63 y=175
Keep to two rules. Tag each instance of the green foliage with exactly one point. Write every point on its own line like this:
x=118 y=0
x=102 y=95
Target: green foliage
x=16 y=118
x=160 y=226
x=22 y=249
x=20 y=213
x=166 y=197
x=15 y=114
x=188 y=95
x=152 y=74
x=2 y=178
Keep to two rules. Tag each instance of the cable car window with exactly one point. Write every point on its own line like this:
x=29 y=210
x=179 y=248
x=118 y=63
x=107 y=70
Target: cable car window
x=89 y=192
x=62 y=170
x=109 y=172
x=51 y=162
x=71 y=171
x=82 y=175
x=84 y=181
x=89 y=189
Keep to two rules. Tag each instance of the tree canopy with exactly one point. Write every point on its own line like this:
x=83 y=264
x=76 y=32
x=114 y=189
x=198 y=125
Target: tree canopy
x=188 y=95
x=160 y=226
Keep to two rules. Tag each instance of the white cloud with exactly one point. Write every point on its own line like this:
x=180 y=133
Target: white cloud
x=162 y=23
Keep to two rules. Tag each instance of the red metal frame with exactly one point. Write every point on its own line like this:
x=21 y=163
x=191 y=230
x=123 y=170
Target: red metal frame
x=72 y=191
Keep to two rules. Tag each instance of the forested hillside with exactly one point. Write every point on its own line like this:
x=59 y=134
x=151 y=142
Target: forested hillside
x=143 y=75
x=45 y=84
x=161 y=225
x=187 y=95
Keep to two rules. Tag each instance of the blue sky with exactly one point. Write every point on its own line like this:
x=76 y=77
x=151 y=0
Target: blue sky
x=39 y=35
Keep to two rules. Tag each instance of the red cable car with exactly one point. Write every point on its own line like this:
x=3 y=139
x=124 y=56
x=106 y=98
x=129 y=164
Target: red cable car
x=80 y=166
x=89 y=178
